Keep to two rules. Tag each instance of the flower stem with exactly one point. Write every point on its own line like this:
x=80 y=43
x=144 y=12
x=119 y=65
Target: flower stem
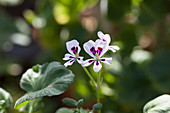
x=91 y=78
x=98 y=88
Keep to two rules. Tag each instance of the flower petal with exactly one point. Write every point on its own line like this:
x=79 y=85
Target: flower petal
x=80 y=60
x=97 y=66
x=73 y=47
x=101 y=47
x=113 y=48
x=107 y=38
x=68 y=56
x=100 y=35
x=89 y=47
x=104 y=37
x=87 y=62
x=70 y=62
x=106 y=60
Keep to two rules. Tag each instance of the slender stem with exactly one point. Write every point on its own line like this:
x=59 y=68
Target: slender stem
x=98 y=88
x=32 y=105
x=91 y=78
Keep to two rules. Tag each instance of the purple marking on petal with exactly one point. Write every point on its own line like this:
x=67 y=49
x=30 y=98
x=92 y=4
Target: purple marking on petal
x=99 y=50
x=78 y=58
x=104 y=40
x=71 y=61
x=74 y=49
x=71 y=57
x=97 y=63
x=102 y=59
x=90 y=61
x=93 y=51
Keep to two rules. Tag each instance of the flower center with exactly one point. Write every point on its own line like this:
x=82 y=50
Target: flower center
x=97 y=52
x=74 y=49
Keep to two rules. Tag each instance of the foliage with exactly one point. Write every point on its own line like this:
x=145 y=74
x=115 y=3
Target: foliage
x=48 y=79
x=5 y=100
x=139 y=72
x=158 y=105
x=71 y=102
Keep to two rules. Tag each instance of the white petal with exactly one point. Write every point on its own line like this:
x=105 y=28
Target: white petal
x=80 y=60
x=88 y=47
x=106 y=60
x=104 y=37
x=113 y=48
x=100 y=35
x=71 y=44
x=107 y=38
x=97 y=66
x=102 y=45
x=87 y=62
x=68 y=56
x=70 y=62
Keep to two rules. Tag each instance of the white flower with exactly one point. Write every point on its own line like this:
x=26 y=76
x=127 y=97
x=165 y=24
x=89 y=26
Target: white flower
x=74 y=50
x=96 y=50
x=106 y=38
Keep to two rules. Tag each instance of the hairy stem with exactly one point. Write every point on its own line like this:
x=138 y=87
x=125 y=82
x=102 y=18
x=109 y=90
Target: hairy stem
x=89 y=75
x=98 y=88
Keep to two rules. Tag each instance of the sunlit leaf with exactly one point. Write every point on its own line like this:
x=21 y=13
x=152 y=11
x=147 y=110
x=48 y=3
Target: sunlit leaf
x=160 y=104
x=51 y=79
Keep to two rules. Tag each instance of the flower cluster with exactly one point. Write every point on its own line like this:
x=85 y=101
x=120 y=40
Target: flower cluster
x=95 y=49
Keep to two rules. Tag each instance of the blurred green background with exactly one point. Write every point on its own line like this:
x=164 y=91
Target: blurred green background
x=35 y=31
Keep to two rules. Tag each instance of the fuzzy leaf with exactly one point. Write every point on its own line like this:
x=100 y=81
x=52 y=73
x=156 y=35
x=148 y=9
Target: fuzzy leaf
x=48 y=79
x=160 y=104
x=97 y=106
x=80 y=103
x=5 y=98
x=64 y=110
x=69 y=101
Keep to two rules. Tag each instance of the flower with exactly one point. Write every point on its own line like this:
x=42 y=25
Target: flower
x=106 y=38
x=74 y=50
x=96 y=50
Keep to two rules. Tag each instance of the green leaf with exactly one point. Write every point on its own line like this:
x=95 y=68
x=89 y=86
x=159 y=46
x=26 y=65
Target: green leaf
x=64 y=110
x=80 y=103
x=69 y=101
x=160 y=104
x=97 y=107
x=51 y=79
x=5 y=98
